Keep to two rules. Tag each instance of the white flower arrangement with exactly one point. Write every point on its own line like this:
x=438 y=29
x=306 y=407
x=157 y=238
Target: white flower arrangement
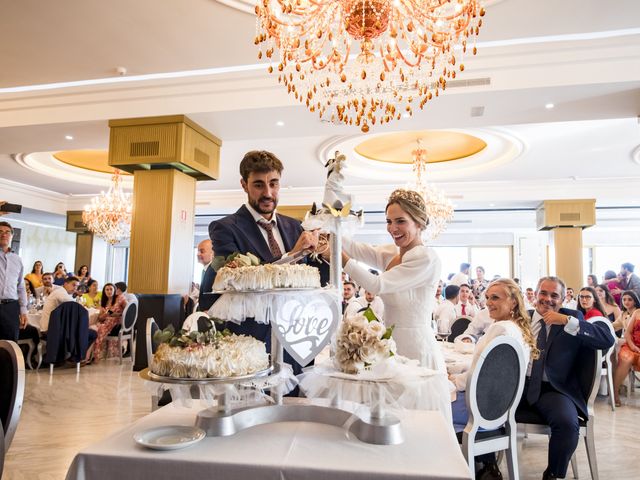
x=361 y=342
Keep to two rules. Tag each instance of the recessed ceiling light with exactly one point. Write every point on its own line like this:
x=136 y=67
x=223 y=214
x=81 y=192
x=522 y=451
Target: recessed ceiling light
x=280 y=123
x=492 y=204
x=68 y=137
x=549 y=106
x=406 y=115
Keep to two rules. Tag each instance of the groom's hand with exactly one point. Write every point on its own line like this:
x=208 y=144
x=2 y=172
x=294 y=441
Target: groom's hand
x=306 y=241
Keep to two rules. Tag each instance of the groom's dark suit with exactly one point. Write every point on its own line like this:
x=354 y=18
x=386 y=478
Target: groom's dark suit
x=562 y=401
x=239 y=232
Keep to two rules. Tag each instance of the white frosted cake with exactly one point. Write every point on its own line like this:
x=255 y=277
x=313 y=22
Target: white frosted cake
x=266 y=277
x=230 y=356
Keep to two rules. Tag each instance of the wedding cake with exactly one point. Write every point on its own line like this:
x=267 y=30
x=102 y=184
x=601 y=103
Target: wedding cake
x=208 y=354
x=266 y=277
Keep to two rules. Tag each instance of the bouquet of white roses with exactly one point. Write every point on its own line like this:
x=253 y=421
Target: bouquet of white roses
x=362 y=341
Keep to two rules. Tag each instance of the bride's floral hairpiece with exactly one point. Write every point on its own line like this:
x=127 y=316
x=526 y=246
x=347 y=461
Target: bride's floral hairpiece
x=413 y=202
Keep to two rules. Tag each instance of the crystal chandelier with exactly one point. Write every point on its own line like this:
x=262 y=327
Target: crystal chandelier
x=408 y=49
x=109 y=215
x=439 y=207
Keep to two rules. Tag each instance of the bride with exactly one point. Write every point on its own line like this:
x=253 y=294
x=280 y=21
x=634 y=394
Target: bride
x=411 y=272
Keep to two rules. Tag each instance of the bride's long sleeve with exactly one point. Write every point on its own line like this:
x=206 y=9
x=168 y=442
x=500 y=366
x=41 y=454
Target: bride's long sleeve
x=376 y=257
x=418 y=267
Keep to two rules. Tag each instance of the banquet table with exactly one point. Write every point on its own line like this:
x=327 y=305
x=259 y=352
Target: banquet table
x=457 y=358
x=289 y=450
x=33 y=318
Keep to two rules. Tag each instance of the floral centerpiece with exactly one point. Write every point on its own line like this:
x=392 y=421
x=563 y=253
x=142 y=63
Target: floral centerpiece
x=363 y=341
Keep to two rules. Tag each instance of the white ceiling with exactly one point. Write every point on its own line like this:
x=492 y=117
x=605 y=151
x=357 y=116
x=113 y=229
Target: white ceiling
x=583 y=56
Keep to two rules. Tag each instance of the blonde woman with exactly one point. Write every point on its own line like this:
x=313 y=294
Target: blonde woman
x=506 y=307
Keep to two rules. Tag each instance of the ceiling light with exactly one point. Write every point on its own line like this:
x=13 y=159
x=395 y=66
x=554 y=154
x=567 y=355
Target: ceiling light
x=280 y=123
x=408 y=51
x=406 y=115
x=492 y=204
x=68 y=137
x=549 y=106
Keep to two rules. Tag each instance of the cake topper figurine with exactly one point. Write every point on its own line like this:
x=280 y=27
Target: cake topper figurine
x=334 y=194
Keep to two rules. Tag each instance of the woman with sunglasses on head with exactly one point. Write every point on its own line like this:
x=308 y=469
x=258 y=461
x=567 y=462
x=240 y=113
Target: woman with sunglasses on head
x=611 y=308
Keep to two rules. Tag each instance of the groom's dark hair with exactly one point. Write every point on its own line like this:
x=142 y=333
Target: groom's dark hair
x=259 y=161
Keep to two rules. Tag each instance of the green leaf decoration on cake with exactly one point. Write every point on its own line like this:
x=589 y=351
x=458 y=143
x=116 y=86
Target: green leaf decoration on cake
x=236 y=259
x=388 y=332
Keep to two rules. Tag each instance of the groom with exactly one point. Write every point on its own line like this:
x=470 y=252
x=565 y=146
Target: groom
x=257 y=228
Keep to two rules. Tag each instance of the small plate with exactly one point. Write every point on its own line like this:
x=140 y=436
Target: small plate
x=171 y=437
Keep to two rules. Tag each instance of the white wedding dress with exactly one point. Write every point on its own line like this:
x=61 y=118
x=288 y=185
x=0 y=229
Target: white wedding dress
x=408 y=293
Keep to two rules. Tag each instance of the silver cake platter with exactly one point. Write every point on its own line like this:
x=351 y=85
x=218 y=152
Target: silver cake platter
x=147 y=374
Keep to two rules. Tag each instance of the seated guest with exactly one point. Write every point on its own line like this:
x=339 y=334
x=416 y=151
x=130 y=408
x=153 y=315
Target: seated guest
x=551 y=389
x=612 y=281
x=465 y=307
x=368 y=300
x=439 y=297
x=59 y=274
x=530 y=300
x=57 y=297
x=445 y=313
x=462 y=277
x=630 y=303
x=121 y=289
x=589 y=304
x=611 y=308
x=35 y=277
x=629 y=356
x=477 y=328
x=348 y=294
x=91 y=298
x=111 y=307
x=46 y=288
x=84 y=277
x=569 y=301
x=506 y=305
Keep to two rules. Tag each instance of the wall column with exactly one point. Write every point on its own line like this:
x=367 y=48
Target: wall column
x=567 y=219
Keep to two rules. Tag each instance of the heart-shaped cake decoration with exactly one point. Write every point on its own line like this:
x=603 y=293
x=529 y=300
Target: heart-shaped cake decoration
x=304 y=329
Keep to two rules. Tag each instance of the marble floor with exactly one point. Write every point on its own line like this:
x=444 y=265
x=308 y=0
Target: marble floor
x=68 y=411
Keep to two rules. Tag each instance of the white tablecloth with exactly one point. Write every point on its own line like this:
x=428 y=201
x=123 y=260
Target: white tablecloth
x=455 y=360
x=291 y=451
x=34 y=318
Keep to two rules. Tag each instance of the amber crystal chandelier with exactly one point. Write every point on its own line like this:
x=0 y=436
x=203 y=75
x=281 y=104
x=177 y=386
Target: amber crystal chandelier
x=439 y=207
x=366 y=62
x=109 y=215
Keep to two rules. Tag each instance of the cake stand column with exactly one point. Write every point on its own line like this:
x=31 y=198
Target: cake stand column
x=335 y=272
x=277 y=357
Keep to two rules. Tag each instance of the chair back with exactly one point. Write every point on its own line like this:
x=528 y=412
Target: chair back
x=495 y=385
x=11 y=390
x=458 y=327
x=129 y=317
x=591 y=367
x=68 y=333
x=152 y=328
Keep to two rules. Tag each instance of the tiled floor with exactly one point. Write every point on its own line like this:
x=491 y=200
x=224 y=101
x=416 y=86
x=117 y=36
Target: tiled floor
x=66 y=412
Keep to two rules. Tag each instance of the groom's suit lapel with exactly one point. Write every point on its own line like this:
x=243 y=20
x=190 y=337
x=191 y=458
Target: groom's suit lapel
x=251 y=231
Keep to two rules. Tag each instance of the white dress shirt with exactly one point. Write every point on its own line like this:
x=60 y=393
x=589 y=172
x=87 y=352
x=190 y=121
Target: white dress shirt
x=445 y=315
x=361 y=302
x=478 y=326
x=459 y=279
x=571 y=304
x=276 y=232
x=57 y=297
x=572 y=327
x=11 y=281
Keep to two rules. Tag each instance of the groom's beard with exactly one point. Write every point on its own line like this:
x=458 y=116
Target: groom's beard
x=255 y=204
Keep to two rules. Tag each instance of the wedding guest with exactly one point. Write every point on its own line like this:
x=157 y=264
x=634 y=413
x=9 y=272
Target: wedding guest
x=84 y=276
x=13 y=297
x=612 y=310
x=629 y=356
x=57 y=297
x=111 y=307
x=205 y=256
x=462 y=277
x=477 y=328
x=506 y=306
x=480 y=285
x=630 y=303
x=589 y=304
x=612 y=281
x=569 y=300
x=530 y=299
x=349 y=289
x=368 y=300
x=35 y=277
x=45 y=290
x=445 y=313
x=92 y=296
x=121 y=289
x=592 y=280
x=439 y=297
x=629 y=280
x=59 y=274
x=465 y=307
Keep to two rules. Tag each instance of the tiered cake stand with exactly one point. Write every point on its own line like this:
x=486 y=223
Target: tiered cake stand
x=372 y=426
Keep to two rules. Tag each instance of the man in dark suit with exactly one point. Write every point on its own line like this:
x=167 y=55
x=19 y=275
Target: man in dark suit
x=257 y=228
x=630 y=281
x=551 y=388
x=205 y=257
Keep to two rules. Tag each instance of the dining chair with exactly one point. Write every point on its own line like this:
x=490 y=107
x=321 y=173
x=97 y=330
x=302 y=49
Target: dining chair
x=27 y=342
x=458 y=327
x=151 y=329
x=126 y=330
x=493 y=392
x=68 y=335
x=12 y=380
x=589 y=374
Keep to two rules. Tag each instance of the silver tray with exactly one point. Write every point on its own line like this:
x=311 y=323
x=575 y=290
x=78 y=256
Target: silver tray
x=147 y=374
